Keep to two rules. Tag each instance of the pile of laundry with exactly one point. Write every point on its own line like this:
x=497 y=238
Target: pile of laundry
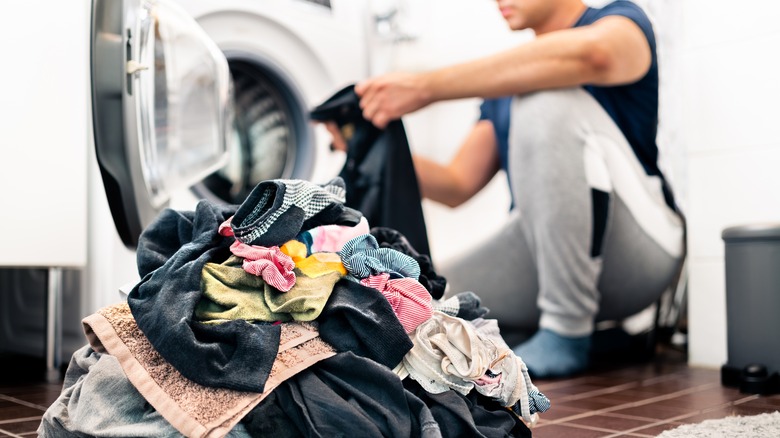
x=289 y=316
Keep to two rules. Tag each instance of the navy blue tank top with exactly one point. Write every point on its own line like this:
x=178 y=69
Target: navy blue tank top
x=633 y=107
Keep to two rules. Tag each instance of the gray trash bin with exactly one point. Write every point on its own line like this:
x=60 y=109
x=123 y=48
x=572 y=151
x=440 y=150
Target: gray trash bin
x=753 y=307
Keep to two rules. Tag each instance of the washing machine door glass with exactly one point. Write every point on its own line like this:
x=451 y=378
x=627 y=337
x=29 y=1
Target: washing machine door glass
x=271 y=137
x=162 y=106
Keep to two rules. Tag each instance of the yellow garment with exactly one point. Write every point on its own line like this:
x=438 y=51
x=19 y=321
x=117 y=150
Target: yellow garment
x=315 y=265
x=295 y=249
x=321 y=263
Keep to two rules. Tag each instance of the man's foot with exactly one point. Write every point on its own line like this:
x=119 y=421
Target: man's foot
x=548 y=354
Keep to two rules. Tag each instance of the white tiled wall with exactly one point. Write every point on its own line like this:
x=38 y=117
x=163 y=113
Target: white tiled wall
x=718 y=133
x=730 y=124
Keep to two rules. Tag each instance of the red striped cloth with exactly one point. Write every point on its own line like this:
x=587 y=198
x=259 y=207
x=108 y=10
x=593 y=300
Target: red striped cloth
x=410 y=301
x=274 y=266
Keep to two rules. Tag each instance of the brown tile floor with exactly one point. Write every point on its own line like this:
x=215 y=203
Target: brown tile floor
x=642 y=399
x=612 y=400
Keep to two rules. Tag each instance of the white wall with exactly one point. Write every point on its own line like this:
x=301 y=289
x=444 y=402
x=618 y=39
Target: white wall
x=718 y=136
x=44 y=84
x=730 y=94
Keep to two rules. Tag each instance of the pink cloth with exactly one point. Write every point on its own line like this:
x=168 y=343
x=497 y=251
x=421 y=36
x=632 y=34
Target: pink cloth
x=225 y=229
x=488 y=380
x=331 y=238
x=274 y=266
x=410 y=301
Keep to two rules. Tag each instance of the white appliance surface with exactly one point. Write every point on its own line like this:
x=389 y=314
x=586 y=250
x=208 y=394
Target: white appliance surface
x=44 y=134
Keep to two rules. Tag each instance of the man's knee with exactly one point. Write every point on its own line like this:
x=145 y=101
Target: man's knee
x=554 y=107
x=546 y=125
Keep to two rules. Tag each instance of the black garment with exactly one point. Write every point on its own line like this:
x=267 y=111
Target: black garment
x=379 y=172
x=345 y=396
x=473 y=415
x=171 y=254
x=389 y=238
x=359 y=319
x=268 y=419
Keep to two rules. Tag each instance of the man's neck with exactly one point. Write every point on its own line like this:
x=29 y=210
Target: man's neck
x=563 y=17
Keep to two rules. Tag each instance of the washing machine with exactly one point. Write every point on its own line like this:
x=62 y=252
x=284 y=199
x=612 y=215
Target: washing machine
x=285 y=57
x=161 y=104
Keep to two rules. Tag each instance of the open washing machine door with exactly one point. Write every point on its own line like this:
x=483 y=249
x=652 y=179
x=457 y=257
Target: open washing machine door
x=162 y=106
x=285 y=57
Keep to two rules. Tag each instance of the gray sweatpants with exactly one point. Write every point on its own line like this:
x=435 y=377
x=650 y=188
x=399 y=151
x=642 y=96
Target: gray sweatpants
x=591 y=237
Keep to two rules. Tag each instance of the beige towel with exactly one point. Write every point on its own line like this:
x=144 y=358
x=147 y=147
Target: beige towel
x=193 y=409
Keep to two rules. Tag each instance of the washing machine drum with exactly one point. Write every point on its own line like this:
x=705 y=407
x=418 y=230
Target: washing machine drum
x=271 y=136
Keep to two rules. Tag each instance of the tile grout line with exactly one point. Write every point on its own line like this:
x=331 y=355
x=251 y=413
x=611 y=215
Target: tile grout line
x=19 y=420
x=691 y=414
x=633 y=404
x=22 y=402
x=586 y=427
x=603 y=391
x=11 y=434
x=612 y=389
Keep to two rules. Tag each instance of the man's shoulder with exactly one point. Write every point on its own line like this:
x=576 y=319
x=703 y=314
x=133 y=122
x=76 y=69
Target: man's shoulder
x=625 y=8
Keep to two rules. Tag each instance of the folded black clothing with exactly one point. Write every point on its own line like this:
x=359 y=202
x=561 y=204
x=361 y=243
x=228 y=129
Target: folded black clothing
x=359 y=319
x=394 y=239
x=345 y=396
x=171 y=254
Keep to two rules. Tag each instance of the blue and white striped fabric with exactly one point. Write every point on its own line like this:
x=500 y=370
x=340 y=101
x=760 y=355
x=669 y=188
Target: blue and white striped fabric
x=363 y=258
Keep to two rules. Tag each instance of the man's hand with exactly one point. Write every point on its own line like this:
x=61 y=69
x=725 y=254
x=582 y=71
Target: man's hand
x=388 y=97
x=338 y=141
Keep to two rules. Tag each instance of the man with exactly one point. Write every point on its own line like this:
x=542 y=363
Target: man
x=594 y=233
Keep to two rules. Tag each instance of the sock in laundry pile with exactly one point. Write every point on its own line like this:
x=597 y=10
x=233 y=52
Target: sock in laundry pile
x=277 y=210
x=466 y=305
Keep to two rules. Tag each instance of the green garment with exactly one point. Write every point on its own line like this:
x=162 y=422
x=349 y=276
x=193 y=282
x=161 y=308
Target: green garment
x=231 y=293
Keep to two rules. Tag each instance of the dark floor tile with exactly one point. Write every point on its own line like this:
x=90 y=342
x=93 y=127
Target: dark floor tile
x=707 y=398
x=668 y=386
x=11 y=411
x=726 y=411
x=624 y=396
x=657 y=428
x=575 y=389
x=614 y=423
x=41 y=394
x=21 y=427
x=653 y=411
x=632 y=435
x=591 y=403
x=771 y=402
x=563 y=430
x=559 y=412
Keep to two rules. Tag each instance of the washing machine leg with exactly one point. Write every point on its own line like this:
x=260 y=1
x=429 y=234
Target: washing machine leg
x=54 y=325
